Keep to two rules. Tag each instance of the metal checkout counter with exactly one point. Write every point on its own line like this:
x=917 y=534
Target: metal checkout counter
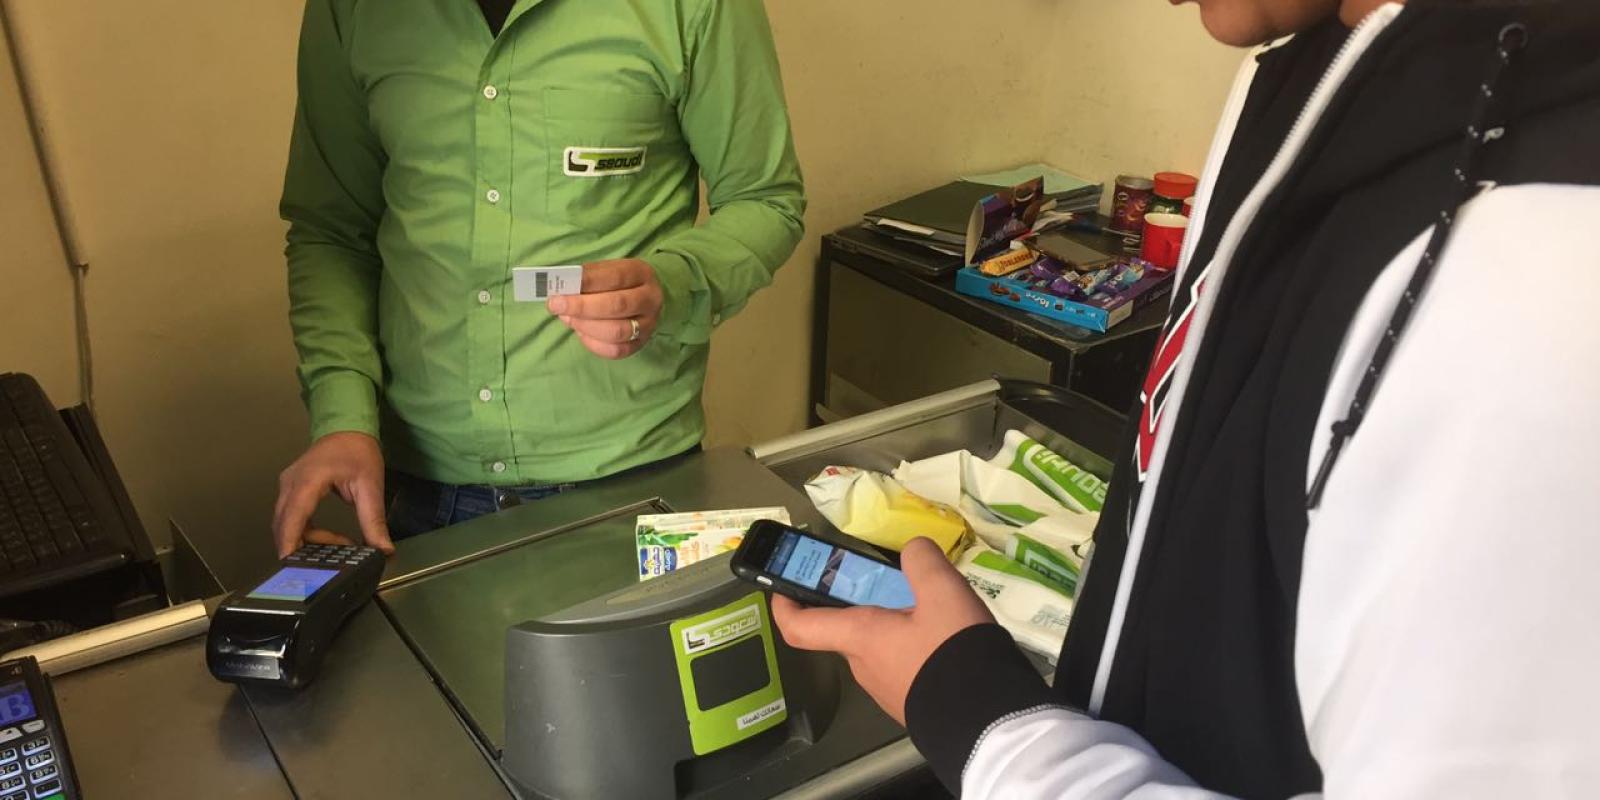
x=412 y=699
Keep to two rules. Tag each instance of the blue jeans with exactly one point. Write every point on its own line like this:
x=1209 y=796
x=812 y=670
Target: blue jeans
x=417 y=505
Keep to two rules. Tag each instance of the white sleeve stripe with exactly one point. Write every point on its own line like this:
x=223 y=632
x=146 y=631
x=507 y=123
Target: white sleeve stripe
x=1015 y=715
x=1054 y=752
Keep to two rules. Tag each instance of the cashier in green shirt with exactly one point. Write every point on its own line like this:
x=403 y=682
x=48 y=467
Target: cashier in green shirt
x=437 y=145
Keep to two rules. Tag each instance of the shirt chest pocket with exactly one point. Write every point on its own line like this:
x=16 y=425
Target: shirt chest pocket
x=611 y=154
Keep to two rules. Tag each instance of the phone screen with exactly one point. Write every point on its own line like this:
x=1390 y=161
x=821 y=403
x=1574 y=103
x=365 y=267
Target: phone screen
x=838 y=573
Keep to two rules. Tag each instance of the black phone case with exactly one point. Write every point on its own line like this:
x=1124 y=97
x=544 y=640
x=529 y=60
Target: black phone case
x=800 y=593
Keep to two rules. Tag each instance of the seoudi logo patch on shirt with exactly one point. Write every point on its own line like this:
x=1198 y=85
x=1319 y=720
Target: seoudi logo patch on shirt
x=601 y=162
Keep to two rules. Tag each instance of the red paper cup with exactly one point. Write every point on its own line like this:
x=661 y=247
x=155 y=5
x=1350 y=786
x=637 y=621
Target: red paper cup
x=1163 y=239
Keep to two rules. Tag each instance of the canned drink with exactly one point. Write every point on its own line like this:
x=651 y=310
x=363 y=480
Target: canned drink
x=1128 y=204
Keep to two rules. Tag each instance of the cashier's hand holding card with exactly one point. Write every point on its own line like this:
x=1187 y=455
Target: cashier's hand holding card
x=617 y=309
x=887 y=648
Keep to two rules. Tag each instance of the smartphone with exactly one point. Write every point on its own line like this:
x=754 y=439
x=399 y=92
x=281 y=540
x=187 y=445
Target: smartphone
x=1072 y=252
x=819 y=572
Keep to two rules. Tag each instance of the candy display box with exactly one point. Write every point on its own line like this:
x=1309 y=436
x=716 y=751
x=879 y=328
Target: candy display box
x=1097 y=313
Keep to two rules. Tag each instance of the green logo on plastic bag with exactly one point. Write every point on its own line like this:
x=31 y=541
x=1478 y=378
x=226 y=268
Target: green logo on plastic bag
x=1073 y=485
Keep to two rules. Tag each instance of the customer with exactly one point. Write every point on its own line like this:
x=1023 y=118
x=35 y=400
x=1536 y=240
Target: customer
x=436 y=147
x=1351 y=546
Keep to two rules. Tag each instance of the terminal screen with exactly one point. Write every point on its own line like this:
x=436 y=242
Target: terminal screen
x=838 y=573
x=293 y=583
x=16 y=704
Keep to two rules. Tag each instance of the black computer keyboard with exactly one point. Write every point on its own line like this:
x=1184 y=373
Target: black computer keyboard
x=57 y=521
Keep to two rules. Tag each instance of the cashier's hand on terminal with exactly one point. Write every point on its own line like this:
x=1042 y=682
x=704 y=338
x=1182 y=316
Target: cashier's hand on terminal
x=887 y=648
x=619 y=308
x=348 y=463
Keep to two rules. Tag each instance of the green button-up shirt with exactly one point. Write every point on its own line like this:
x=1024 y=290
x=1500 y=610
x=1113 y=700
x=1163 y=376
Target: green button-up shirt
x=430 y=157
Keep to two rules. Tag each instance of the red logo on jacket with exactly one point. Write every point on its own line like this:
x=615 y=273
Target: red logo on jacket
x=1158 y=381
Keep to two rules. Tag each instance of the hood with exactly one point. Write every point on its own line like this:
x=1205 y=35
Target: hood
x=1419 y=85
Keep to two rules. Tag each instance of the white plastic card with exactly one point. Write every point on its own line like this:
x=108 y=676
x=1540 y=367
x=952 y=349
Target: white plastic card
x=538 y=284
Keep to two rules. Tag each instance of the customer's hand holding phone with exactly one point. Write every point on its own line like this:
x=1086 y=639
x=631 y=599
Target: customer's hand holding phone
x=887 y=648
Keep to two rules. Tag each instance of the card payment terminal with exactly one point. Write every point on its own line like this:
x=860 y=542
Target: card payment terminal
x=278 y=632
x=33 y=748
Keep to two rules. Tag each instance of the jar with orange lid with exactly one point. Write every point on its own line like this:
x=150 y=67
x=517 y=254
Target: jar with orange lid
x=1171 y=190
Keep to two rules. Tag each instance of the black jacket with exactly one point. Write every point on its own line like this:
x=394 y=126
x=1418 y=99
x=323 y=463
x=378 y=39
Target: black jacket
x=1203 y=665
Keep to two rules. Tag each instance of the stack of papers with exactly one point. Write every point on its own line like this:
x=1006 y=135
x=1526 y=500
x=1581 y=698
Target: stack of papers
x=1070 y=192
x=938 y=218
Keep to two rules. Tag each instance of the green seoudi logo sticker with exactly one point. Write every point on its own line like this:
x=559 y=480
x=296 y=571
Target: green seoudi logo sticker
x=722 y=630
x=733 y=643
x=600 y=162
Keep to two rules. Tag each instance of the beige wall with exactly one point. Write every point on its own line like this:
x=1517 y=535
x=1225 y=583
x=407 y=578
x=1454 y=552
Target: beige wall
x=1139 y=87
x=36 y=320
x=887 y=99
x=170 y=121
x=171 y=129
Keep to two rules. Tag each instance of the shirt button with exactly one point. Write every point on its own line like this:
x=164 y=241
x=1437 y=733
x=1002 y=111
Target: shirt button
x=484 y=297
x=493 y=195
x=485 y=395
x=498 y=466
x=490 y=93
